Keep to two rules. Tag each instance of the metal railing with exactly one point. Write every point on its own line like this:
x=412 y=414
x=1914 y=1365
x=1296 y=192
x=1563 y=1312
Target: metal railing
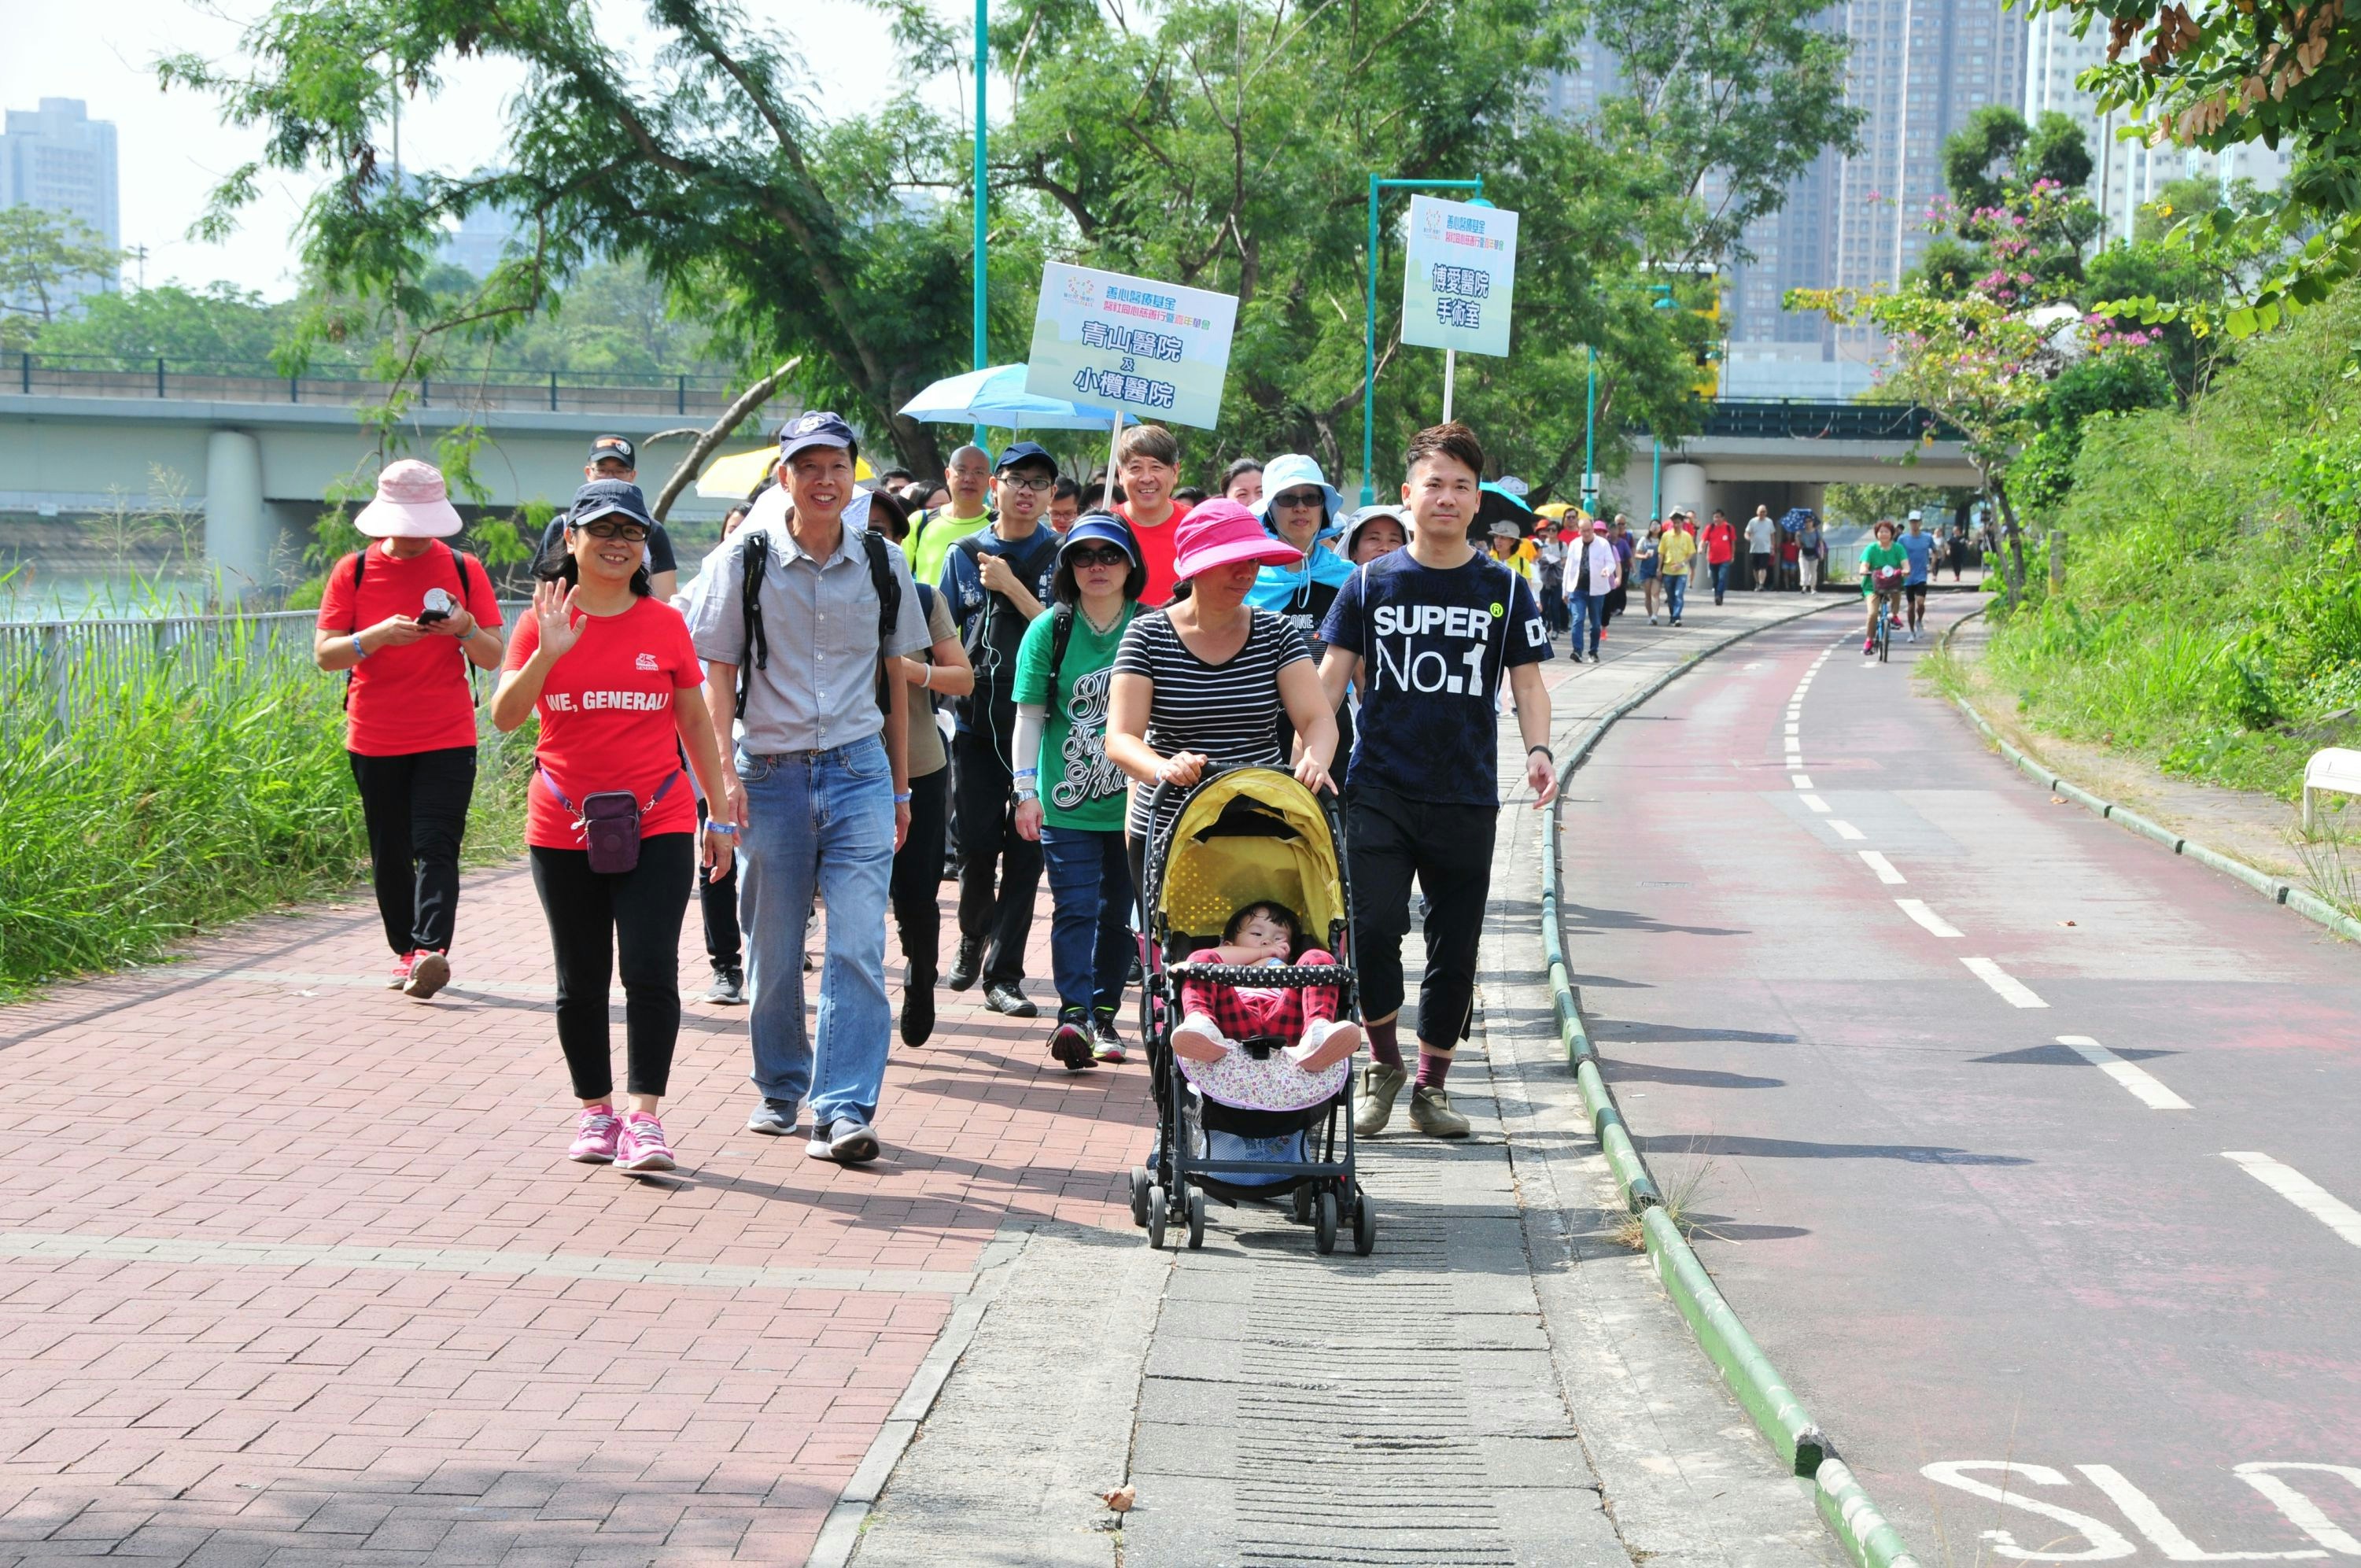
x=57 y=674
x=1802 y=419
x=678 y=394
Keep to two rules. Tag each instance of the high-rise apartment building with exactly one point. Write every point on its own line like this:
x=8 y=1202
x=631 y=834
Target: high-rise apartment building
x=57 y=159
x=2129 y=172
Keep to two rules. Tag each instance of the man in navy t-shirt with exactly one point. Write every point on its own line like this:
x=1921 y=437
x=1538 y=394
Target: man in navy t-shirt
x=1426 y=635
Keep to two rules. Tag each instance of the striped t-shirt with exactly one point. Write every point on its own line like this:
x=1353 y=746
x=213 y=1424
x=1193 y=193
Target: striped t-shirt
x=1228 y=711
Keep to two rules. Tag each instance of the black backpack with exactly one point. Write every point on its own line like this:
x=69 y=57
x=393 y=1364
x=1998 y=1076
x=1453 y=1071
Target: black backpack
x=360 y=564
x=754 y=560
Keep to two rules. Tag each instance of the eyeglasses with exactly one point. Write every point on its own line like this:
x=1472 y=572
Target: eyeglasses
x=1110 y=556
x=1299 y=499
x=1035 y=485
x=608 y=528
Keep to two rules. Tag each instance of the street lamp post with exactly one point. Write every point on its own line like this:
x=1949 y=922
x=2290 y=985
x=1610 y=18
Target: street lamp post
x=1370 y=332
x=1590 y=441
x=1656 y=498
x=983 y=57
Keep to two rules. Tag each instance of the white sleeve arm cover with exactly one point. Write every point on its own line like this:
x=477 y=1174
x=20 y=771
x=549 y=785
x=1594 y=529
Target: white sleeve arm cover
x=1027 y=750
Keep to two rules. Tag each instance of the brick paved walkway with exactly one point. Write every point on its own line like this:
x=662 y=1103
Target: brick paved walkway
x=297 y=1271
x=303 y=1275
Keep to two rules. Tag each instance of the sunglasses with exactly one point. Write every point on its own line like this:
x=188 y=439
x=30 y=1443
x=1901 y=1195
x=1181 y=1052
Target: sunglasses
x=1110 y=556
x=608 y=528
x=1299 y=499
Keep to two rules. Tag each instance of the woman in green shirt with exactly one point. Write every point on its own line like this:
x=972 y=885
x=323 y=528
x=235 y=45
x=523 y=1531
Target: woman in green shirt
x=1068 y=794
x=1883 y=568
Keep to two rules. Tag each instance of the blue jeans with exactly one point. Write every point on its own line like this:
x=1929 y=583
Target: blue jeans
x=1588 y=609
x=1720 y=580
x=1091 y=940
x=824 y=821
x=1676 y=591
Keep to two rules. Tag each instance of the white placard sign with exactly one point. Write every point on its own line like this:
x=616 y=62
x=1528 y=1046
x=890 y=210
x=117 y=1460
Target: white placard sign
x=1157 y=351
x=1459 y=276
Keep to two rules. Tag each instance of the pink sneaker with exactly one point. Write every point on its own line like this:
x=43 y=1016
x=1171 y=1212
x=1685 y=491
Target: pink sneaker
x=642 y=1146
x=594 y=1138
x=400 y=976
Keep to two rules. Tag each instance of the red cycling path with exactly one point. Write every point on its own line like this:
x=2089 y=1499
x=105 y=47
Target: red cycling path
x=2017 y=1141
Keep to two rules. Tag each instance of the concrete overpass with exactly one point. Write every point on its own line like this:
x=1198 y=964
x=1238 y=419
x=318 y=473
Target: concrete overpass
x=1780 y=453
x=254 y=454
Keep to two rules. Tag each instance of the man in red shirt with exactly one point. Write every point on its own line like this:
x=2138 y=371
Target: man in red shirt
x=1148 y=460
x=1720 y=548
x=406 y=617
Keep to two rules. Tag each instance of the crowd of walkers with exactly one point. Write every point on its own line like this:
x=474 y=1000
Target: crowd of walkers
x=998 y=676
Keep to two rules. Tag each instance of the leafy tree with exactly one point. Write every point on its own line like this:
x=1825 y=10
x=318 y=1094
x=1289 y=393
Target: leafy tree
x=2013 y=208
x=41 y=253
x=220 y=324
x=2282 y=73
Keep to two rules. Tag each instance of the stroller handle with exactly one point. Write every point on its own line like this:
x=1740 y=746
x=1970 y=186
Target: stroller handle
x=1278 y=977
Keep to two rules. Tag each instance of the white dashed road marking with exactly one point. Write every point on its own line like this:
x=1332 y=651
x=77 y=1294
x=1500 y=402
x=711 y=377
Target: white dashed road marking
x=1803 y=781
x=2141 y=1083
x=1935 y=923
x=1883 y=867
x=1814 y=801
x=1847 y=831
x=2300 y=1190
x=2013 y=990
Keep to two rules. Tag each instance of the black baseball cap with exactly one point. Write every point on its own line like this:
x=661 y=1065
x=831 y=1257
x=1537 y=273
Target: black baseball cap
x=816 y=427
x=619 y=447
x=608 y=497
x=1023 y=451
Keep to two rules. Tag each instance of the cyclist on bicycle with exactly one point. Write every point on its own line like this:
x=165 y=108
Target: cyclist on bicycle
x=1883 y=565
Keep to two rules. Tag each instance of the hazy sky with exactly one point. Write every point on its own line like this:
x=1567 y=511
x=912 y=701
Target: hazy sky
x=172 y=146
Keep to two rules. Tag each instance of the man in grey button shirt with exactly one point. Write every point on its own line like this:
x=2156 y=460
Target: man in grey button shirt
x=818 y=779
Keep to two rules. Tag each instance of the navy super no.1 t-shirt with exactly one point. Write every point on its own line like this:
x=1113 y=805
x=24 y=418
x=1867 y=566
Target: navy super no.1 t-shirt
x=1435 y=648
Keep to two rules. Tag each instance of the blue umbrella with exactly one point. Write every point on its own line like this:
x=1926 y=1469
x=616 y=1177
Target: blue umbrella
x=997 y=396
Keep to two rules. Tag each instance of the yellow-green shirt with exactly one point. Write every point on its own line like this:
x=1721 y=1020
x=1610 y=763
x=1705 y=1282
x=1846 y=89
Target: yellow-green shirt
x=1672 y=552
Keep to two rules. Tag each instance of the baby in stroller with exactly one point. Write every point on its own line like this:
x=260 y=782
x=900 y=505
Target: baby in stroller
x=1262 y=1047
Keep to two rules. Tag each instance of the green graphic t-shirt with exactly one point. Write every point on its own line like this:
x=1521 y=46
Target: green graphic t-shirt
x=1080 y=788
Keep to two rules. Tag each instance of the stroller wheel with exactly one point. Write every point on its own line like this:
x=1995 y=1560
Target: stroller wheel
x=1365 y=1226
x=1159 y=1210
x=1299 y=1202
x=1324 y=1222
x=1139 y=1183
x=1196 y=1221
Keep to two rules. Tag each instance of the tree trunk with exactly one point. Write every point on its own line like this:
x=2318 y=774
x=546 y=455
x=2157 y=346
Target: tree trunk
x=714 y=434
x=2012 y=571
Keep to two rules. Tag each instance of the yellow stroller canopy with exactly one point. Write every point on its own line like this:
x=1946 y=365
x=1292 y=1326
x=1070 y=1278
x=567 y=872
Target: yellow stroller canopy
x=1253 y=834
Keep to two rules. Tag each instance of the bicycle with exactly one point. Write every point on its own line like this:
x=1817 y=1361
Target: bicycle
x=1886 y=596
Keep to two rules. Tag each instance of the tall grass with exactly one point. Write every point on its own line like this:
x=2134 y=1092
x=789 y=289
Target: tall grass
x=2210 y=620
x=192 y=786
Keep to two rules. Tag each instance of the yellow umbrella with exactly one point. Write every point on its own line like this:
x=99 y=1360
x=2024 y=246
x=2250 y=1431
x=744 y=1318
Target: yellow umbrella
x=728 y=478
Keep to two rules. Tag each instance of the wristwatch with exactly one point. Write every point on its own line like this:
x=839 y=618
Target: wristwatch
x=1025 y=794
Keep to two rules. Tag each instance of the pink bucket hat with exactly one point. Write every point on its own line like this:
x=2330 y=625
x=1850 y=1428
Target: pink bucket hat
x=1220 y=532
x=410 y=504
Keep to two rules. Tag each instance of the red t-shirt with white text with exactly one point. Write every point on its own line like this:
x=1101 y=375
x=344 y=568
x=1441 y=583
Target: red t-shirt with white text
x=1720 y=539
x=414 y=697
x=1156 y=554
x=607 y=720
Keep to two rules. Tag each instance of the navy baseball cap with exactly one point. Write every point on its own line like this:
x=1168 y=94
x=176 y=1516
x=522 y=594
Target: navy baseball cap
x=1023 y=451
x=816 y=427
x=619 y=447
x=608 y=497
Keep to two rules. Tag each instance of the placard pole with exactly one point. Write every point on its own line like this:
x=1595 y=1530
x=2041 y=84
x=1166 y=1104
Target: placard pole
x=1114 y=440
x=1450 y=375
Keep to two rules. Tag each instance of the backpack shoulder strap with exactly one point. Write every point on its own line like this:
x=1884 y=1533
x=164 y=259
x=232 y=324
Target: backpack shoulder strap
x=360 y=564
x=889 y=610
x=754 y=651
x=1062 y=633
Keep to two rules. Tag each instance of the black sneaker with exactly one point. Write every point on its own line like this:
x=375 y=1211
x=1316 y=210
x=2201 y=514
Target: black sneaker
x=967 y=965
x=1106 y=1046
x=728 y=990
x=1070 y=1042
x=917 y=1008
x=1138 y=974
x=1009 y=1001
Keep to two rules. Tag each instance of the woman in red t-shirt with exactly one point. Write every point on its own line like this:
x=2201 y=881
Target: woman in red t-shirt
x=620 y=691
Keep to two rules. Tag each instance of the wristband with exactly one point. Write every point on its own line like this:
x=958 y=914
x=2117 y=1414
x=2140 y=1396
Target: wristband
x=1544 y=750
x=359 y=652
x=728 y=829
x=902 y=798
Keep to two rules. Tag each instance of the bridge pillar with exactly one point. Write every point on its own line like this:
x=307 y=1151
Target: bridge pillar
x=1685 y=486
x=238 y=527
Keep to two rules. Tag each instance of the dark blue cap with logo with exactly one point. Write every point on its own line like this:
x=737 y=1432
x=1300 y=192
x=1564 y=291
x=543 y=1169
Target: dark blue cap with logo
x=1023 y=451
x=606 y=498
x=815 y=427
x=618 y=448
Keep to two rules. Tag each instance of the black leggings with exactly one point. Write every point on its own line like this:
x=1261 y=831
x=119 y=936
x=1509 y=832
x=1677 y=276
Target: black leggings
x=917 y=881
x=591 y=915
x=1387 y=840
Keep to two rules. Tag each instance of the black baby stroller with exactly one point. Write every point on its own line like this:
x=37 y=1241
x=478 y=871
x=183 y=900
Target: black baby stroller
x=1244 y=835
